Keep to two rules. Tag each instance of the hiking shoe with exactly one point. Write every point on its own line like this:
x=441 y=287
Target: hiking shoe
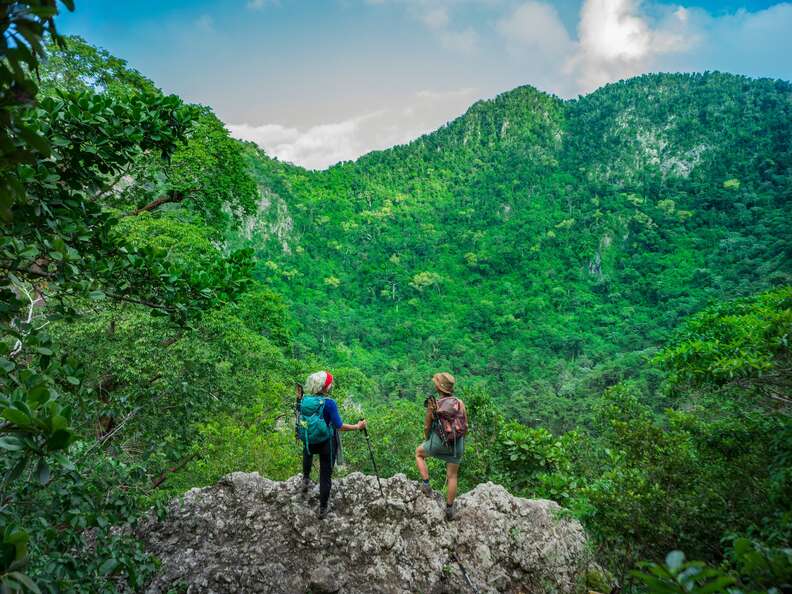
x=322 y=512
x=450 y=513
x=306 y=484
x=426 y=489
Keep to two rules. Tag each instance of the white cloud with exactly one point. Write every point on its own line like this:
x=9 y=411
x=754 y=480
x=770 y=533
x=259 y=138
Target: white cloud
x=464 y=42
x=616 y=41
x=757 y=43
x=611 y=30
x=436 y=17
x=445 y=95
x=536 y=26
x=318 y=147
x=314 y=148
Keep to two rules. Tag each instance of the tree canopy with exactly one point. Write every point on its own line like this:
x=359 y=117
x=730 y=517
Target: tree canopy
x=608 y=278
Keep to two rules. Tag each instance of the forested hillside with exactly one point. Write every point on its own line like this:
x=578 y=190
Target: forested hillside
x=608 y=279
x=540 y=247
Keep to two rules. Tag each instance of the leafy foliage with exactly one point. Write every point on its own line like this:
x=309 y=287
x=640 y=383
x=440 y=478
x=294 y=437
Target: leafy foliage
x=547 y=252
x=744 y=344
x=543 y=247
x=64 y=250
x=757 y=569
x=76 y=66
x=676 y=575
x=24 y=25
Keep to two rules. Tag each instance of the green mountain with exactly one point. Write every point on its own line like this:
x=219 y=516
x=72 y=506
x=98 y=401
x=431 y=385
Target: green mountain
x=162 y=287
x=540 y=245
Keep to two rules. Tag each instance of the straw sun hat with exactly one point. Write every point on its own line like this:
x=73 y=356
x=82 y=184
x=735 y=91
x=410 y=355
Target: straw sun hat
x=444 y=382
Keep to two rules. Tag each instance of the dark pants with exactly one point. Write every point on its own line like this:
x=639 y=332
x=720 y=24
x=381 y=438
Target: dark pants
x=325 y=451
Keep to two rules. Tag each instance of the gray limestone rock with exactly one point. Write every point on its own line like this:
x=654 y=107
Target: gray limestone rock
x=251 y=534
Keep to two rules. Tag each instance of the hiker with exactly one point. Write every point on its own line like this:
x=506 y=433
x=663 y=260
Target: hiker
x=445 y=426
x=318 y=424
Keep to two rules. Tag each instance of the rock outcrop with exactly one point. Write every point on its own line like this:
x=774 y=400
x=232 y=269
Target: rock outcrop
x=251 y=534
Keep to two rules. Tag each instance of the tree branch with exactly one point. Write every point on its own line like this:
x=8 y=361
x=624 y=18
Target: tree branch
x=31 y=271
x=31 y=307
x=164 y=474
x=173 y=197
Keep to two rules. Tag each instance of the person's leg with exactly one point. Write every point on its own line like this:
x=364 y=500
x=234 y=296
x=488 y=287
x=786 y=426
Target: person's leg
x=307 y=463
x=420 y=462
x=325 y=472
x=452 y=472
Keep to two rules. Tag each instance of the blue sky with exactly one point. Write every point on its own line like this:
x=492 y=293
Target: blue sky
x=318 y=81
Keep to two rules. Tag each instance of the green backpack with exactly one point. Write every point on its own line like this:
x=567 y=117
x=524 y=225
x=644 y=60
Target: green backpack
x=311 y=425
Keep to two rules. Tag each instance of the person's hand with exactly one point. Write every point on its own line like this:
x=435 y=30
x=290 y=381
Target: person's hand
x=361 y=424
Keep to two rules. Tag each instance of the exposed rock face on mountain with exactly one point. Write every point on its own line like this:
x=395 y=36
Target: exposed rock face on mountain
x=251 y=534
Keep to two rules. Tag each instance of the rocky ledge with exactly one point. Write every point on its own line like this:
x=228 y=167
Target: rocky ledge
x=251 y=534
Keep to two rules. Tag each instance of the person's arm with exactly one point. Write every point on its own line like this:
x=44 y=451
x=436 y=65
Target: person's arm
x=335 y=419
x=355 y=427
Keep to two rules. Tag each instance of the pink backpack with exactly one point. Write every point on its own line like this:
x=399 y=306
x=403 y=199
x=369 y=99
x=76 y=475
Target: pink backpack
x=451 y=419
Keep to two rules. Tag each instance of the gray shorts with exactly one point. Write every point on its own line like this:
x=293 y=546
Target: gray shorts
x=450 y=454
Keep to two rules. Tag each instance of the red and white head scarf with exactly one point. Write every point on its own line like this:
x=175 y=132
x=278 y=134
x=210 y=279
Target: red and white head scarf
x=317 y=382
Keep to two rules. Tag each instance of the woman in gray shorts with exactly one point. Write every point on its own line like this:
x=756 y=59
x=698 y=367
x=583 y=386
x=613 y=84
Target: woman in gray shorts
x=434 y=447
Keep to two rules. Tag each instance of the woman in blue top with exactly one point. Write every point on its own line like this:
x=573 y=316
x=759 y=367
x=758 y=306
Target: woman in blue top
x=320 y=384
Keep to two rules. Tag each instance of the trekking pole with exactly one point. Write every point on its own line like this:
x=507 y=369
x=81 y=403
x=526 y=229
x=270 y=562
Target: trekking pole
x=464 y=573
x=374 y=463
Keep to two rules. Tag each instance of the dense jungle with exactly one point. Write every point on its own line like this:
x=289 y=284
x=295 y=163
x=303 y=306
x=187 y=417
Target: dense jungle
x=609 y=278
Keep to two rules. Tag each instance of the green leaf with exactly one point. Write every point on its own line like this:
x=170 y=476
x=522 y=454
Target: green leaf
x=17 y=469
x=59 y=422
x=11 y=443
x=9 y=585
x=60 y=141
x=25 y=581
x=17 y=536
x=35 y=140
x=742 y=546
x=16 y=416
x=67 y=464
x=43 y=472
x=38 y=394
x=59 y=440
x=108 y=567
x=717 y=585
